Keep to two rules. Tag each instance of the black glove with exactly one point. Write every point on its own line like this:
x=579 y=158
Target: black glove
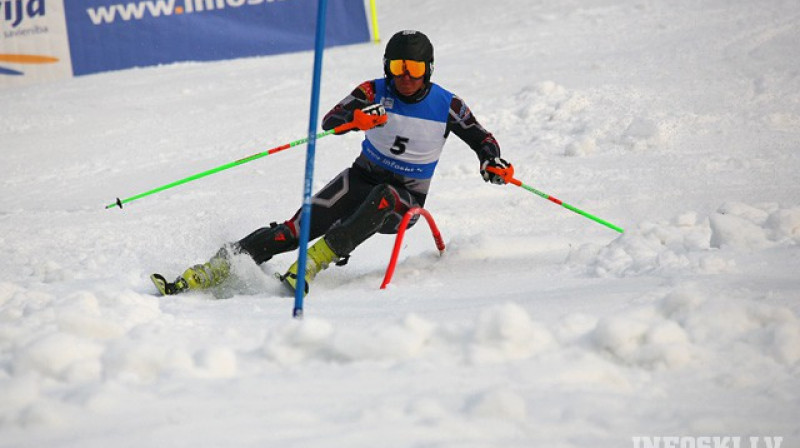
x=497 y=163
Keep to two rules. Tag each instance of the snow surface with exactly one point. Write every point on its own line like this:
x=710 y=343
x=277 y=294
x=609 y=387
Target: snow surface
x=679 y=121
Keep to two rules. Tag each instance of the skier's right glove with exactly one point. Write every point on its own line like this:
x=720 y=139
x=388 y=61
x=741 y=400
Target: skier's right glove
x=369 y=117
x=499 y=173
x=374 y=109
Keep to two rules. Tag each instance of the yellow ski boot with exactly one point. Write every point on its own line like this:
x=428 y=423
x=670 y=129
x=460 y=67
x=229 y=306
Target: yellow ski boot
x=197 y=277
x=319 y=257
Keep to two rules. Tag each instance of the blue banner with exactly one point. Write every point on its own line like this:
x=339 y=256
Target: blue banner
x=118 y=34
x=33 y=42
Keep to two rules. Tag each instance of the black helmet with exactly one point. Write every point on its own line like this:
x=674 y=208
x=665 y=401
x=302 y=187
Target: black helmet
x=411 y=45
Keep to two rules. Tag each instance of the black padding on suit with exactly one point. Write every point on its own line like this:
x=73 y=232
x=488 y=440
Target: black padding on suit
x=342 y=197
x=365 y=222
x=346 y=210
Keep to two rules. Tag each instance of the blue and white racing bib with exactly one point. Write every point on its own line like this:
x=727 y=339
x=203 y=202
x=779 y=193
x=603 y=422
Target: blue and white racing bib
x=411 y=141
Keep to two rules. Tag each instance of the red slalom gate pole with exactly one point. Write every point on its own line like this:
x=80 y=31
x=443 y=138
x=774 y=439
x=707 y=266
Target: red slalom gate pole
x=398 y=242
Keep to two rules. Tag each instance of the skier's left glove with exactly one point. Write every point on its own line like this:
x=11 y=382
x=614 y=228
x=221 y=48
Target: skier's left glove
x=501 y=171
x=369 y=117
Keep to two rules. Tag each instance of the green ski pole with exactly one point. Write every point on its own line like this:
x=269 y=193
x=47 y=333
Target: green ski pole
x=337 y=130
x=508 y=175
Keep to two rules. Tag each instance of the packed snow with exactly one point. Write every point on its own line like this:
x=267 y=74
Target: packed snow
x=678 y=121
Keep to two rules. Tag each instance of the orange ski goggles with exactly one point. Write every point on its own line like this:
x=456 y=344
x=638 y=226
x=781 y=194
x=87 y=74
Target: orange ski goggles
x=415 y=69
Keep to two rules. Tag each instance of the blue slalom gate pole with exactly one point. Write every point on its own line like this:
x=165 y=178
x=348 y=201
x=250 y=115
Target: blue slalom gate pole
x=305 y=217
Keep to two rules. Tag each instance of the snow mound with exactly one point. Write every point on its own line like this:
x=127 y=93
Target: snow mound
x=689 y=243
x=687 y=325
x=499 y=334
x=575 y=123
x=671 y=332
x=554 y=116
x=747 y=227
x=80 y=353
x=60 y=352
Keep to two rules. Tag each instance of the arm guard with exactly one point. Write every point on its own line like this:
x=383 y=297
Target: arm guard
x=462 y=123
x=361 y=97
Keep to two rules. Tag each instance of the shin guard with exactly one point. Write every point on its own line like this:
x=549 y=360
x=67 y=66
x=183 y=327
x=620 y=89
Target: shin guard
x=364 y=223
x=266 y=242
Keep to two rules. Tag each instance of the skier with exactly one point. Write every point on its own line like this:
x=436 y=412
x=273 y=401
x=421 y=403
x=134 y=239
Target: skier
x=391 y=175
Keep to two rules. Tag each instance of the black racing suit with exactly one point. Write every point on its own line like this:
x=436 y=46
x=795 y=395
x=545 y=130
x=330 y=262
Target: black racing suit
x=351 y=208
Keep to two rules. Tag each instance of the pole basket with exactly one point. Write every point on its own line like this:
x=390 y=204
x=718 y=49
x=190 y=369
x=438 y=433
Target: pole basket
x=398 y=242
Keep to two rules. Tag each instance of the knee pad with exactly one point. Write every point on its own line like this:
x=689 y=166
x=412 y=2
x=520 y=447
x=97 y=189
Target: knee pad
x=405 y=201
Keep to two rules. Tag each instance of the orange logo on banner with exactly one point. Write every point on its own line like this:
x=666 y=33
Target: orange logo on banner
x=23 y=59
